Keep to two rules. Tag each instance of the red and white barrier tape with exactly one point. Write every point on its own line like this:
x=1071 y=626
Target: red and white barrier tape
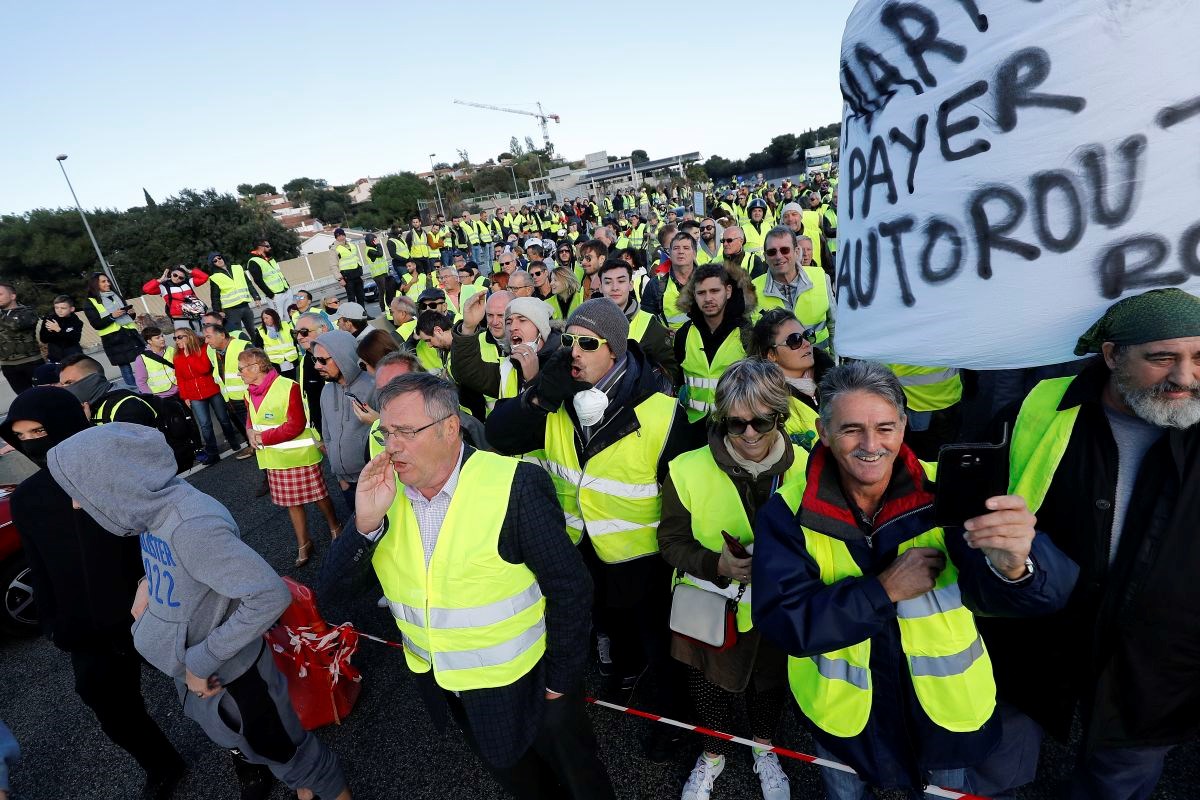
x=935 y=791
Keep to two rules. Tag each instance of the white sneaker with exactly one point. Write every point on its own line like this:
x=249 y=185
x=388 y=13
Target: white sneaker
x=774 y=782
x=699 y=784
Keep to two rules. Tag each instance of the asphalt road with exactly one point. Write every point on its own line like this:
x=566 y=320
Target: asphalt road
x=387 y=745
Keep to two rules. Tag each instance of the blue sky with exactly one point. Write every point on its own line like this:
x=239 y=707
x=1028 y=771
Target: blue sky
x=169 y=96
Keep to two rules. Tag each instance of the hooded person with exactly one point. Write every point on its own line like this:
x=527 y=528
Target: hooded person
x=84 y=583
x=344 y=435
x=200 y=615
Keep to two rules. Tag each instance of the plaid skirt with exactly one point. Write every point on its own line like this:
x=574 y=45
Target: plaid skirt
x=297 y=485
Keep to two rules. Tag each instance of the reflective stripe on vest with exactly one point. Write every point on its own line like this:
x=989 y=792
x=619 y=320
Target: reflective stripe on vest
x=234 y=290
x=811 y=306
x=281 y=349
x=272 y=275
x=928 y=388
x=801 y=424
x=477 y=621
x=230 y=380
x=950 y=667
x=616 y=495
x=419 y=246
x=470 y=231
x=114 y=326
x=1039 y=440
x=637 y=236
x=302 y=451
x=714 y=505
x=400 y=247
x=699 y=393
x=159 y=377
x=675 y=317
x=105 y=413
x=347 y=256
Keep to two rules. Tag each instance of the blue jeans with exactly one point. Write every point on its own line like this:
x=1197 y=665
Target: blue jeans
x=477 y=255
x=848 y=786
x=203 y=411
x=447 y=256
x=128 y=376
x=489 y=255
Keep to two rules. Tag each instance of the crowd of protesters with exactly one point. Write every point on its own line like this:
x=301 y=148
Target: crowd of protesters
x=619 y=431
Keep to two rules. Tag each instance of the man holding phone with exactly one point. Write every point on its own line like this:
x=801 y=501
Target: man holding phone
x=858 y=584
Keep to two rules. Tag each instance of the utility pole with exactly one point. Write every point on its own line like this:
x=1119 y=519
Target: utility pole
x=96 y=245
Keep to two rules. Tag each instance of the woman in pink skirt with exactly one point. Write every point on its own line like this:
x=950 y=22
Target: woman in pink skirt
x=287 y=448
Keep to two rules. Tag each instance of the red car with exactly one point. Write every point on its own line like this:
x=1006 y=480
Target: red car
x=18 y=614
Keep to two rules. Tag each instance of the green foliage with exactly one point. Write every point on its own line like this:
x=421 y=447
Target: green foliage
x=47 y=252
x=787 y=148
x=515 y=147
x=639 y=157
x=395 y=197
x=245 y=189
x=327 y=205
x=263 y=188
x=300 y=189
x=696 y=173
x=149 y=200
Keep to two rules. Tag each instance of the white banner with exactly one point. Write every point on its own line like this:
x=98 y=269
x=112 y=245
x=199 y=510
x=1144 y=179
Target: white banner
x=1010 y=169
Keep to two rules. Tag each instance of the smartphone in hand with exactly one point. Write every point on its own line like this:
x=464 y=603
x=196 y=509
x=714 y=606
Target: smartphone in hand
x=967 y=475
x=736 y=548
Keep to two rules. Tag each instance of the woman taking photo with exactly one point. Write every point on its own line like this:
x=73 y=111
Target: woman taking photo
x=193 y=375
x=779 y=338
x=708 y=492
x=177 y=287
x=286 y=447
x=278 y=341
x=112 y=318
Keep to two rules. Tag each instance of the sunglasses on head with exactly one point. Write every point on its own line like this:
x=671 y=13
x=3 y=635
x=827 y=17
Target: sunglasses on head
x=588 y=344
x=783 y=251
x=322 y=360
x=737 y=426
x=795 y=341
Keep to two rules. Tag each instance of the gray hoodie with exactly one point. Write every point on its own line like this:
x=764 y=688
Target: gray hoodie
x=344 y=436
x=211 y=595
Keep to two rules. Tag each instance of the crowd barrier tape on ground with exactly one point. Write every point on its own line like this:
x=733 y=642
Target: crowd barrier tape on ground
x=934 y=791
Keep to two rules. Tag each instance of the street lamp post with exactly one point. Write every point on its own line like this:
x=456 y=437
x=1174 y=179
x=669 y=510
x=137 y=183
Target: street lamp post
x=516 y=189
x=103 y=264
x=441 y=208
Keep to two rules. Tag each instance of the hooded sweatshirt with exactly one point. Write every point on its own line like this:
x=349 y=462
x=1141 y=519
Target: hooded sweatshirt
x=344 y=436
x=83 y=578
x=212 y=597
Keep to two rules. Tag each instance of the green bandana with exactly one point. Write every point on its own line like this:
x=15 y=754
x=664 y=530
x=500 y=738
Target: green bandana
x=1150 y=317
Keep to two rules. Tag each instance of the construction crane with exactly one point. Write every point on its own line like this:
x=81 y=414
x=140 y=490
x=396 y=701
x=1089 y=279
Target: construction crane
x=541 y=115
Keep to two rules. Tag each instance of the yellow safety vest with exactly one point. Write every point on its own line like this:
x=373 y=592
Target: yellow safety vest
x=1039 y=441
x=281 y=349
x=949 y=665
x=639 y=324
x=811 y=307
x=400 y=247
x=347 y=256
x=272 y=275
x=440 y=236
x=431 y=358
x=714 y=505
x=675 y=316
x=420 y=245
x=699 y=392
x=234 y=290
x=230 y=381
x=473 y=618
x=556 y=308
x=637 y=236
x=811 y=221
x=755 y=237
x=470 y=231
x=801 y=425
x=103 y=413
x=405 y=330
x=928 y=388
x=830 y=216
x=301 y=451
x=378 y=265
x=484 y=227
x=616 y=495
x=159 y=377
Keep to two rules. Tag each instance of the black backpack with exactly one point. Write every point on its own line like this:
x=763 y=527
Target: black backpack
x=172 y=418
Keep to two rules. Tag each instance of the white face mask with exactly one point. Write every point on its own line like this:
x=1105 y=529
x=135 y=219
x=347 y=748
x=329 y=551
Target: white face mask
x=804 y=385
x=590 y=405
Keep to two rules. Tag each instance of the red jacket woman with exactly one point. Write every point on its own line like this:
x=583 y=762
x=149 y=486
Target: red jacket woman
x=193 y=370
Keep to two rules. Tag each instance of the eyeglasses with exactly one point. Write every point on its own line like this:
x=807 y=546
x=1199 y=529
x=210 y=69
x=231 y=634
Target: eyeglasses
x=588 y=344
x=303 y=332
x=432 y=305
x=381 y=435
x=737 y=426
x=177 y=338
x=708 y=227
x=795 y=341
x=520 y=286
x=539 y=273
x=730 y=240
x=322 y=360
x=783 y=251
x=332 y=303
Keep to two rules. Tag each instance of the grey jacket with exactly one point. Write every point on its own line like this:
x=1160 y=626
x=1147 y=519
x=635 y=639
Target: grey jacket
x=344 y=436
x=212 y=597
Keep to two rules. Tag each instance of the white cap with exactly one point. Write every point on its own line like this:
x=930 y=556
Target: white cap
x=530 y=242
x=349 y=311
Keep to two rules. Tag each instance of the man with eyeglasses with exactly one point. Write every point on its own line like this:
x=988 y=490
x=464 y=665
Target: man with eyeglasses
x=454 y=292
x=805 y=291
x=616 y=279
x=734 y=254
x=708 y=249
x=713 y=338
x=508 y=265
x=343 y=434
x=539 y=273
x=232 y=295
x=349 y=264
x=308 y=327
x=431 y=300
x=520 y=283
x=598 y=411
x=265 y=272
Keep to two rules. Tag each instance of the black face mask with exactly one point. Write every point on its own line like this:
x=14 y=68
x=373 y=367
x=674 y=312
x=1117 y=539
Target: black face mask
x=36 y=449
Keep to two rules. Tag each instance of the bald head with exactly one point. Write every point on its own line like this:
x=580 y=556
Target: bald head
x=494 y=311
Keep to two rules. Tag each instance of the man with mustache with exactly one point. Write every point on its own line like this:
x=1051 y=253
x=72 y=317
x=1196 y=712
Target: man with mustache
x=1108 y=461
x=875 y=604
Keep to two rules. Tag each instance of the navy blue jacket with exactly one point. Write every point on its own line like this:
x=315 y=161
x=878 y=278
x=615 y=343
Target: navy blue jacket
x=801 y=615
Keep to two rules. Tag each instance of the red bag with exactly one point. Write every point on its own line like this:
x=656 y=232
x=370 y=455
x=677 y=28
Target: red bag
x=322 y=683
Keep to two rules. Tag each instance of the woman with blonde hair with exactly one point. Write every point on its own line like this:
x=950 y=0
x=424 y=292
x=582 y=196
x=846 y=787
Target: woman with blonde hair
x=566 y=296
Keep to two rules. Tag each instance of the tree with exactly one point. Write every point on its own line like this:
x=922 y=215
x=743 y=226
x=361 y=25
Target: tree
x=639 y=157
x=395 y=197
x=245 y=189
x=696 y=174
x=529 y=145
x=263 y=188
x=515 y=147
x=327 y=205
x=463 y=157
x=505 y=157
x=149 y=200
x=299 y=189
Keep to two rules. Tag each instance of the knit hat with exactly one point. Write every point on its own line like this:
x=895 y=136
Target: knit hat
x=1148 y=317
x=791 y=207
x=534 y=310
x=606 y=320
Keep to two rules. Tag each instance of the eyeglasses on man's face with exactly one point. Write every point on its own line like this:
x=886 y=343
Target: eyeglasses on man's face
x=382 y=434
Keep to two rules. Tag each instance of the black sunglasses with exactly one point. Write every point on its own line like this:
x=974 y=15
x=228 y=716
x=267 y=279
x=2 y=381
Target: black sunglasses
x=322 y=360
x=708 y=227
x=303 y=331
x=737 y=426
x=783 y=251
x=729 y=239
x=795 y=341
x=430 y=306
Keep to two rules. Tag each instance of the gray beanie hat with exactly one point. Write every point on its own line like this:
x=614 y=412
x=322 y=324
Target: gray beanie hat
x=606 y=320
x=791 y=207
x=532 y=309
